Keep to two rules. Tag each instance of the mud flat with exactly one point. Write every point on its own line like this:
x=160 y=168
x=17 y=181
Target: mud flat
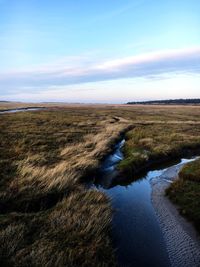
x=182 y=241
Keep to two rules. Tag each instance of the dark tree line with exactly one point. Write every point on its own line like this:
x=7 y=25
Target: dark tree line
x=168 y=102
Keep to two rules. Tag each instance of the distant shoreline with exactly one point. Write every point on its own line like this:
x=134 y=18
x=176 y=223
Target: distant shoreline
x=7 y=105
x=167 y=102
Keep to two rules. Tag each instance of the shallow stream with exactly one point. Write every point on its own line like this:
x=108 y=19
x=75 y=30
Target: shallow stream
x=137 y=236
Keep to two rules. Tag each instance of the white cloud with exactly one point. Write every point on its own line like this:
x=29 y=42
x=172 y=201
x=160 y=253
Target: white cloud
x=149 y=65
x=117 y=91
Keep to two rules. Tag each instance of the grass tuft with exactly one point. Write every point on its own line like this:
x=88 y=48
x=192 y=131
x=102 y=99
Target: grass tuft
x=185 y=192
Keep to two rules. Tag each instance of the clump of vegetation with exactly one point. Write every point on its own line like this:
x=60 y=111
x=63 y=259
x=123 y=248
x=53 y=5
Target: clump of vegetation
x=185 y=192
x=73 y=233
x=191 y=171
x=152 y=143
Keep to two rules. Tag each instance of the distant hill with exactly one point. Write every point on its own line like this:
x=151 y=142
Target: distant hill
x=168 y=102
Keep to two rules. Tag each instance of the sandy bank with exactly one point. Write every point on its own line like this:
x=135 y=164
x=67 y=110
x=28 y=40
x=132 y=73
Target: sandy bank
x=182 y=241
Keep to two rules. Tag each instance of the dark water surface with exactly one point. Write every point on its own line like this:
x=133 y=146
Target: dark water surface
x=137 y=236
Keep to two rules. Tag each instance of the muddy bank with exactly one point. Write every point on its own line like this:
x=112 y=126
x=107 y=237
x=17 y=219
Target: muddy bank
x=182 y=240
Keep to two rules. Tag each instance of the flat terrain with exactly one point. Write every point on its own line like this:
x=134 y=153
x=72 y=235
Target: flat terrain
x=48 y=217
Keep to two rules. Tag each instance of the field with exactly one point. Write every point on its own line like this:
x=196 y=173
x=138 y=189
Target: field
x=48 y=217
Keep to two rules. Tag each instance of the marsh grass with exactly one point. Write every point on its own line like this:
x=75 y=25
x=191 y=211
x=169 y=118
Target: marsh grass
x=185 y=192
x=155 y=143
x=74 y=233
x=48 y=218
x=191 y=171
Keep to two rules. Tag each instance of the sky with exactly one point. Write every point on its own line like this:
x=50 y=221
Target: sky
x=99 y=51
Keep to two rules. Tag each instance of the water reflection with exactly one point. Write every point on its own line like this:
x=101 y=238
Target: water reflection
x=137 y=237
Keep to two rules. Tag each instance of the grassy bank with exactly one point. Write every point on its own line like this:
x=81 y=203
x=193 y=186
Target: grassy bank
x=48 y=218
x=154 y=143
x=185 y=192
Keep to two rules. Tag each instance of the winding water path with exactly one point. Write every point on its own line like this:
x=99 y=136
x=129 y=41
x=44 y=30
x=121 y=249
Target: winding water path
x=139 y=236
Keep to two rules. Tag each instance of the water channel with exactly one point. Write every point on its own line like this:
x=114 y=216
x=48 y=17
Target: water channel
x=137 y=236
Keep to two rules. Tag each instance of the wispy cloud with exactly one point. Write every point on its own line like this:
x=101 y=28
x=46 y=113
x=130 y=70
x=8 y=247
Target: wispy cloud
x=146 y=65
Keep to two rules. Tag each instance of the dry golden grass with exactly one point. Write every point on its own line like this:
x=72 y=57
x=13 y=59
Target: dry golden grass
x=74 y=233
x=75 y=162
x=48 y=218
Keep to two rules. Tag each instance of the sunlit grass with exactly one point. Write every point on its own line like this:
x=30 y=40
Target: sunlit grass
x=48 y=217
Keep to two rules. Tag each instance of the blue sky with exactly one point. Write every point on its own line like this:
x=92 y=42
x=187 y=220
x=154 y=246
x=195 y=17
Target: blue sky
x=99 y=51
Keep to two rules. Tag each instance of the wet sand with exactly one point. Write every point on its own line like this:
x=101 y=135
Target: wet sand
x=182 y=240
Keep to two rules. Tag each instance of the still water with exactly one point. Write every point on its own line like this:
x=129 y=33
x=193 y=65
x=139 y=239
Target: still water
x=137 y=236
x=19 y=110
